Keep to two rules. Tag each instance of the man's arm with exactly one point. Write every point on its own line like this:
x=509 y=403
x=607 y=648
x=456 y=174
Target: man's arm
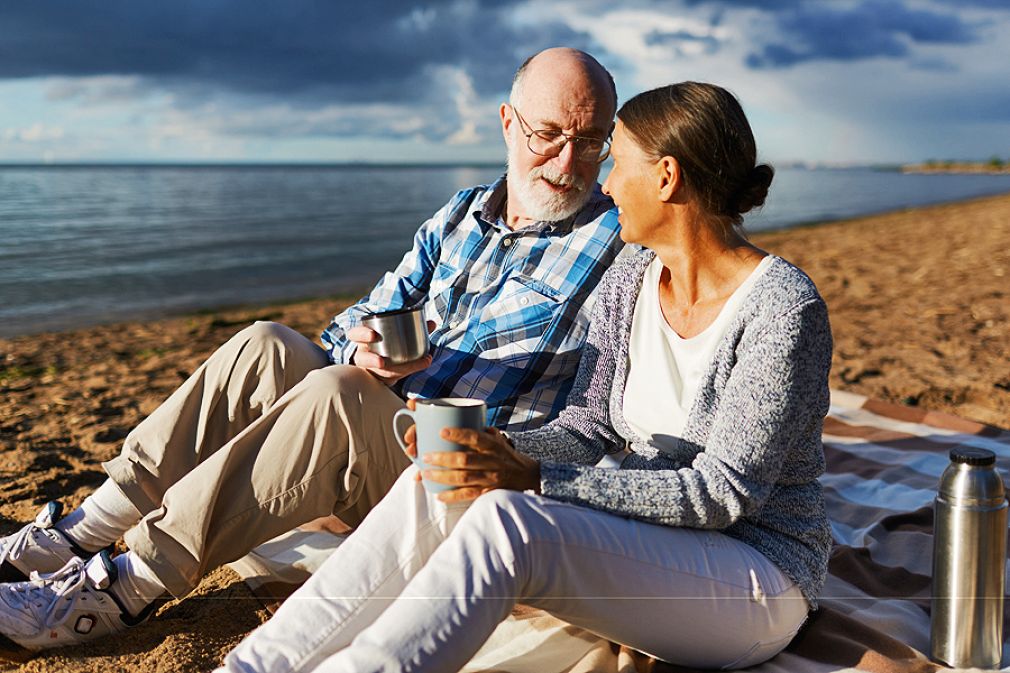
x=406 y=285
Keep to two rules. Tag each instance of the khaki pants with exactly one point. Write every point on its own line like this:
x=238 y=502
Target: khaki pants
x=264 y=436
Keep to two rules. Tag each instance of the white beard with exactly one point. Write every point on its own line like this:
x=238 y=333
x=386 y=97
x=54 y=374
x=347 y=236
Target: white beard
x=540 y=202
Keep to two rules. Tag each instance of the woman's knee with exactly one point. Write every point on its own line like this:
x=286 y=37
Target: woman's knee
x=502 y=512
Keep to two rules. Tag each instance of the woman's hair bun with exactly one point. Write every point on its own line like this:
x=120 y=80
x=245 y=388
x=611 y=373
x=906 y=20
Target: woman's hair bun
x=754 y=190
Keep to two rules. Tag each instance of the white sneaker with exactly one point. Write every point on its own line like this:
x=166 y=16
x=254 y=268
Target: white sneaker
x=37 y=547
x=69 y=606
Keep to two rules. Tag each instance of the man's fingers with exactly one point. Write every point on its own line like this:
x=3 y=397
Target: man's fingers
x=380 y=367
x=362 y=335
x=407 y=367
x=367 y=359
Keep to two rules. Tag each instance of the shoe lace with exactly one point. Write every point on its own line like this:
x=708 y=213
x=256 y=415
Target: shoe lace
x=18 y=542
x=57 y=592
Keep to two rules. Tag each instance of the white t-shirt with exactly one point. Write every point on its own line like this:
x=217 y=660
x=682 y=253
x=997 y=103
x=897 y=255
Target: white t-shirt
x=667 y=369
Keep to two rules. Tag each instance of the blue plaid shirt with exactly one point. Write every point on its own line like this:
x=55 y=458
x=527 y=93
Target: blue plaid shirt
x=512 y=308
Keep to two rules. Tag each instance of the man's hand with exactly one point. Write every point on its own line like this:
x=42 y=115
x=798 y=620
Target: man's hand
x=489 y=463
x=377 y=365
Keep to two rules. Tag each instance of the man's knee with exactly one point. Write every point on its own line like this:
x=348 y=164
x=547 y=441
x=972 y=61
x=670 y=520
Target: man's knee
x=266 y=335
x=341 y=380
x=273 y=345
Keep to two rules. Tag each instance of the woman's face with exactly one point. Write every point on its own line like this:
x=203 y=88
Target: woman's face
x=633 y=186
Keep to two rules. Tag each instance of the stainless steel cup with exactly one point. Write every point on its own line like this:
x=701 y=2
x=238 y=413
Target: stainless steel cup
x=402 y=334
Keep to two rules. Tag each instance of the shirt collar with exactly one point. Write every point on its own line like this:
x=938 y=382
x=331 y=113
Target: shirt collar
x=497 y=195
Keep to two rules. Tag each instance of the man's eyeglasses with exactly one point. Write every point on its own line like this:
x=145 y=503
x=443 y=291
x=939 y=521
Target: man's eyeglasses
x=550 y=142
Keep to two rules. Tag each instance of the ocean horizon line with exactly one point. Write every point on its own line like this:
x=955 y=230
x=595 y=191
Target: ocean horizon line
x=785 y=164
x=251 y=164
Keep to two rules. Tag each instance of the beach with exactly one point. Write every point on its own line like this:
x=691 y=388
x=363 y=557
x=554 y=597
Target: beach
x=918 y=301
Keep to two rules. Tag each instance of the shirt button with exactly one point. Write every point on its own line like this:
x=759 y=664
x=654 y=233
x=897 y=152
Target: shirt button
x=454 y=324
x=524 y=301
x=507 y=242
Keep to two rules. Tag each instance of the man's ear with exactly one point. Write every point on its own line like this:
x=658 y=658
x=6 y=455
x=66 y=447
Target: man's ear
x=669 y=178
x=505 y=113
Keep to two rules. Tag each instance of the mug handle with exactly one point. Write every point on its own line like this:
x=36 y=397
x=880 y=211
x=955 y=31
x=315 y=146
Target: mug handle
x=397 y=417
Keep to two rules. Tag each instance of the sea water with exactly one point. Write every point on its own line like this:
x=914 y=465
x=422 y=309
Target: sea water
x=81 y=245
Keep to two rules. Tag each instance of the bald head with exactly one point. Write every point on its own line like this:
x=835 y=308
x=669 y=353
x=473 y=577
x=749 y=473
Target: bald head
x=561 y=71
x=559 y=95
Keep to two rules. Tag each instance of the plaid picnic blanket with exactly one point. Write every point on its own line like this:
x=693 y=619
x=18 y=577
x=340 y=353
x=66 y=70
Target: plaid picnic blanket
x=883 y=465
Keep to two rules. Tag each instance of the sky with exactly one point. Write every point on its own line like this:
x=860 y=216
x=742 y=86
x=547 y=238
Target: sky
x=388 y=81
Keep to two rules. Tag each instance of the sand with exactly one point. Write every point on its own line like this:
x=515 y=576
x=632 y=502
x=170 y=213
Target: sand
x=918 y=300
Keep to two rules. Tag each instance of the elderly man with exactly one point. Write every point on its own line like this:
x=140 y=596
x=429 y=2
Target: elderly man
x=273 y=431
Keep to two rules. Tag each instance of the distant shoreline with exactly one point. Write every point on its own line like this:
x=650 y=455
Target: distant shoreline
x=976 y=168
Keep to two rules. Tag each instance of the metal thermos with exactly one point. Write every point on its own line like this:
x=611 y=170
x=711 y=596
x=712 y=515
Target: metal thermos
x=969 y=553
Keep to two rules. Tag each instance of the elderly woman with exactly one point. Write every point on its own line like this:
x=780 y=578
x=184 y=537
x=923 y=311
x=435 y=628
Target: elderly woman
x=704 y=542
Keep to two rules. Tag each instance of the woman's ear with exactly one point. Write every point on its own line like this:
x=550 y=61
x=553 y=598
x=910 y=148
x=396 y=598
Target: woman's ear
x=669 y=178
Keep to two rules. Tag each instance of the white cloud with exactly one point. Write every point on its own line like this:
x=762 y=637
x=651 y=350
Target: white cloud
x=458 y=87
x=626 y=33
x=36 y=133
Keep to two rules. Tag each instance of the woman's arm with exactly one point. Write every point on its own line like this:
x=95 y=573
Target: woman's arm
x=582 y=432
x=771 y=412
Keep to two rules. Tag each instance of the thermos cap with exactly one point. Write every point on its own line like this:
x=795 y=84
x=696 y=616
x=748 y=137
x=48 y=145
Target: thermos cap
x=972 y=456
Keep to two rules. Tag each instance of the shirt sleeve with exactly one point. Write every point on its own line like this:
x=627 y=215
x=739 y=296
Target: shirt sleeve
x=582 y=433
x=771 y=413
x=405 y=286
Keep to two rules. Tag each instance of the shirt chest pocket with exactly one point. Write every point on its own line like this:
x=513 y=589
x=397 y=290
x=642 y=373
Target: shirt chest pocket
x=518 y=321
x=445 y=276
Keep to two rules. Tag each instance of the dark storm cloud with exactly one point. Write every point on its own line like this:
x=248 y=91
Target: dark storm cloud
x=378 y=50
x=871 y=29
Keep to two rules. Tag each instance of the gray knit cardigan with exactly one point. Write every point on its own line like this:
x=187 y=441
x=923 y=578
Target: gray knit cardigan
x=751 y=450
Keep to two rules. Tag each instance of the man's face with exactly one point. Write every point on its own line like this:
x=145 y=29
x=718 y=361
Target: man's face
x=552 y=188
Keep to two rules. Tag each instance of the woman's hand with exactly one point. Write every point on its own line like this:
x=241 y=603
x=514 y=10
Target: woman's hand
x=489 y=463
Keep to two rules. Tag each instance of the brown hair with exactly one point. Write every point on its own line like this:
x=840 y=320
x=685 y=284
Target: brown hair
x=705 y=129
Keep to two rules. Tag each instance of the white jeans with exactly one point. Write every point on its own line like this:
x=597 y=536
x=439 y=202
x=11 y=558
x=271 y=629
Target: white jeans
x=420 y=586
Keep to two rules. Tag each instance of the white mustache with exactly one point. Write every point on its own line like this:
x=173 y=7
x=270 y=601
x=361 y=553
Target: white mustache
x=557 y=177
